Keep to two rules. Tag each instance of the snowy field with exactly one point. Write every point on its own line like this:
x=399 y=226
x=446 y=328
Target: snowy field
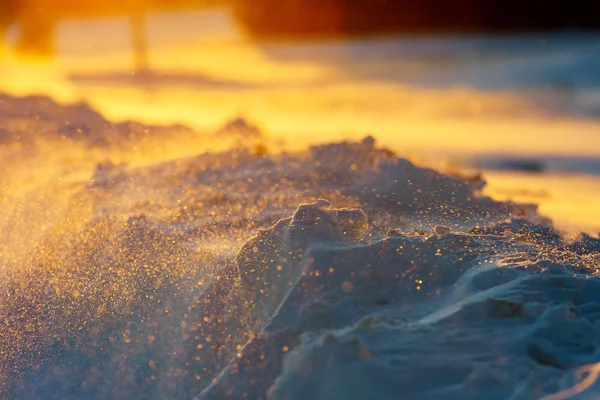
x=300 y=221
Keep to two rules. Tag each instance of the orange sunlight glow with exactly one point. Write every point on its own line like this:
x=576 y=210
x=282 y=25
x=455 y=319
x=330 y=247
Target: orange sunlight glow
x=591 y=372
x=216 y=75
x=137 y=197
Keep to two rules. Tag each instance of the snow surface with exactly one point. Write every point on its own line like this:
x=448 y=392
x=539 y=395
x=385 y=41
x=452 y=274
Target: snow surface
x=130 y=269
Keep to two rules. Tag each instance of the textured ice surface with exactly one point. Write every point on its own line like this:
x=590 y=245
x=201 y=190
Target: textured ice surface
x=339 y=272
x=497 y=313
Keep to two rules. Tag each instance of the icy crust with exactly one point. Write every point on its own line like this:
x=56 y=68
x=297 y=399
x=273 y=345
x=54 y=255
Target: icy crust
x=485 y=313
x=265 y=262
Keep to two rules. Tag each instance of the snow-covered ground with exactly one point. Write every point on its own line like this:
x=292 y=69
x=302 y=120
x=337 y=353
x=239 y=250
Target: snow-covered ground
x=133 y=269
x=300 y=258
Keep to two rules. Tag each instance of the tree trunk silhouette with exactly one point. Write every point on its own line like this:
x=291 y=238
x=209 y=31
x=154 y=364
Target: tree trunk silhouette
x=140 y=43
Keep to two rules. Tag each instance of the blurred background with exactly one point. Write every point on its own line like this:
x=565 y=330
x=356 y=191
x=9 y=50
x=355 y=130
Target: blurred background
x=511 y=89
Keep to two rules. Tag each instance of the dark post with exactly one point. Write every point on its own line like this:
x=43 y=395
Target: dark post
x=140 y=43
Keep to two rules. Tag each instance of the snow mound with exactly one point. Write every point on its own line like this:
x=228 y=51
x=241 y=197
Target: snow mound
x=227 y=275
x=348 y=319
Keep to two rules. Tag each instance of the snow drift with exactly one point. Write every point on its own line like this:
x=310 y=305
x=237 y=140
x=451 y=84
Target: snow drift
x=339 y=272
